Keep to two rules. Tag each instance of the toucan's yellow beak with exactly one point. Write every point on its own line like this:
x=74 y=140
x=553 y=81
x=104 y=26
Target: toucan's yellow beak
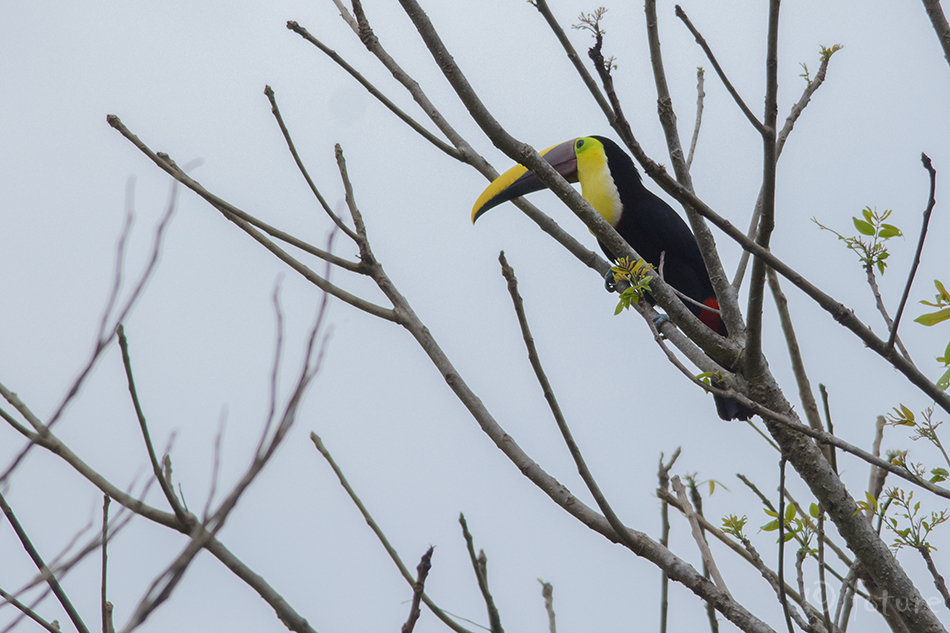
x=518 y=181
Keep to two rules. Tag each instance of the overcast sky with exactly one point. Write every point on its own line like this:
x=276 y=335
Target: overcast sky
x=188 y=78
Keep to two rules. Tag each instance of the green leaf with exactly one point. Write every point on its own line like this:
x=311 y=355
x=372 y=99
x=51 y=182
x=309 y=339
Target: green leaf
x=944 y=381
x=789 y=536
x=771 y=513
x=815 y=510
x=943 y=291
x=933 y=318
x=789 y=513
x=888 y=231
x=872 y=501
x=907 y=413
x=866 y=212
x=864 y=228
x=770 y=527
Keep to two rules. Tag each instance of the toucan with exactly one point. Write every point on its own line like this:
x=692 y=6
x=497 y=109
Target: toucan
x=611 y=184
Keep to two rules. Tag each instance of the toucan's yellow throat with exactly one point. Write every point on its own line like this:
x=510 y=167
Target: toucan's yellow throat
x=577 y=160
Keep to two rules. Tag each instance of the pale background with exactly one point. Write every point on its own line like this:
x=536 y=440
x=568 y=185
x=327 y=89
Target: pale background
x=188 y=78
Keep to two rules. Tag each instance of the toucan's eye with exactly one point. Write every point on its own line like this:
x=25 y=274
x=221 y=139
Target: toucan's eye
x=579 y=144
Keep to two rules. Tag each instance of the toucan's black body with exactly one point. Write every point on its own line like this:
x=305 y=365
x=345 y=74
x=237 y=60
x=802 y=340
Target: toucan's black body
x=660 y=236
x=611 y=183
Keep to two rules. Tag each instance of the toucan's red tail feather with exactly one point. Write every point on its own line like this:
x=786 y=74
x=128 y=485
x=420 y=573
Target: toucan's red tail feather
x=713 y=319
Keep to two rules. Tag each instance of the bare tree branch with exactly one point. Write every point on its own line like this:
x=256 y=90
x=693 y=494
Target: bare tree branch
x=754 y=360
x=939 y=21
x=202 y=534
x=104 y=336
x=247 y=223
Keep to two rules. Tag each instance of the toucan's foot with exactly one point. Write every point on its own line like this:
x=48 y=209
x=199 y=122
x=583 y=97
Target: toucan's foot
x=609 y=282
x=659 y=320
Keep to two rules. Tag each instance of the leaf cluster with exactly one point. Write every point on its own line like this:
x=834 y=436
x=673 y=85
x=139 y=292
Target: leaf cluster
x=872 y=252
x=800 y=528
x=734 y=525
x=917 y=469
x=637 y=274
x=915 y=527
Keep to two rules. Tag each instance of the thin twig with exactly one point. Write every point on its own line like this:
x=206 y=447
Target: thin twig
x=47 y=573
x=547 y=592
x=878 y=474
x=250 y=225
x=269 y=92
x=795 y=355
x=879 y=302
x=426 y=134
x=104 y=337
x=700 y=96
x=202 y=534
x=800 y=574
x=664 y=101
x=104 y=596
x=771 y=578
x=663 y=475
x=920 y=246
x=719 y=71
x=697 y=529
x=697 y=500
x=828 y=438
x=780 y=140
x=422 y=571
x=939 y=582
x=575 y=59
x=28 y=612
x=167 y=490
x=781 y=545
x=215 y=466
x=480 y=566
x=831 y=426
x=823 y=584
x=439 y=613
x=534 y=359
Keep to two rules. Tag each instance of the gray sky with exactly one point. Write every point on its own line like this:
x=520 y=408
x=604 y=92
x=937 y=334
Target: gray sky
x=188 y=78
